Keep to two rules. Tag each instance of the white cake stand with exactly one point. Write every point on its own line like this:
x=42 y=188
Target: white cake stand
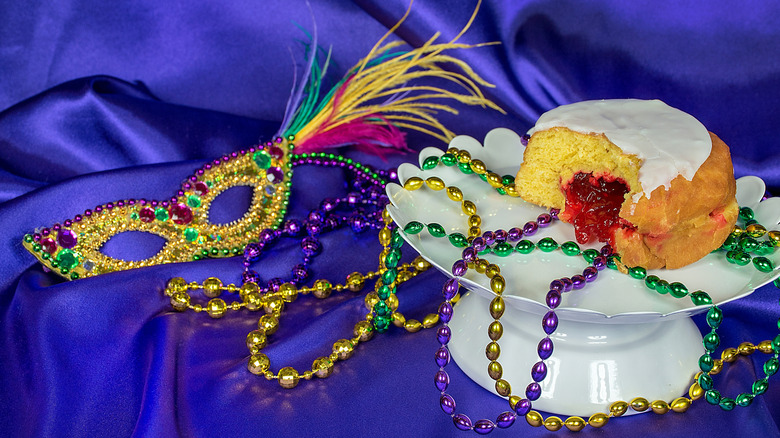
x=616 y=339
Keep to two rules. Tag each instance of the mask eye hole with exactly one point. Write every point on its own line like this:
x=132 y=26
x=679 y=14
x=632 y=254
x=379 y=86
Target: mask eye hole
x=230 y=205
x=133 y=246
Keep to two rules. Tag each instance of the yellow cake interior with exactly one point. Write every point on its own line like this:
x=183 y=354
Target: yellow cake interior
x=566 y=152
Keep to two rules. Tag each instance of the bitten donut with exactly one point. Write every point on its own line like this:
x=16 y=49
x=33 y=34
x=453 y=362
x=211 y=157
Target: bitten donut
x=640 y=175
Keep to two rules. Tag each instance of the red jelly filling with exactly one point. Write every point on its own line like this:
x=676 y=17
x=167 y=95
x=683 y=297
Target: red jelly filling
x=592 y=206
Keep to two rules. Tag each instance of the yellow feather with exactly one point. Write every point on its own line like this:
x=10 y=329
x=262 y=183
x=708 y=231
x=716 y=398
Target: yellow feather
x=370 y=89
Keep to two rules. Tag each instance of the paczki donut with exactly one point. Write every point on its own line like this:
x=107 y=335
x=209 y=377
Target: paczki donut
x=645 y=177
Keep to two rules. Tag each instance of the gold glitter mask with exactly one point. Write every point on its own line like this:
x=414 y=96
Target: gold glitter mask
x=73 y=248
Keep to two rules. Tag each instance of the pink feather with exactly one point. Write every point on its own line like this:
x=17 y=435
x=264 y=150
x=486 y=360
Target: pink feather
x=371 y=137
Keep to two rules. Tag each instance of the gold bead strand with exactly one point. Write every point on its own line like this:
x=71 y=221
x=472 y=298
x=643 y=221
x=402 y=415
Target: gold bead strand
x=322 y=367
x=212 y=287
x=641 y=404
x=343 y=349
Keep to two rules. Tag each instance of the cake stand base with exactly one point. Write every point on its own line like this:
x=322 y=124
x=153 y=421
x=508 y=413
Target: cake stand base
x=592 y=365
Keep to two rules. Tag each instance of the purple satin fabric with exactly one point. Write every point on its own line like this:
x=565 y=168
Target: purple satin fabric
x=100 y=103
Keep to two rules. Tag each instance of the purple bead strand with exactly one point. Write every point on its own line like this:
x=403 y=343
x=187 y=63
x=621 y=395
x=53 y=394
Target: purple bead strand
x=549 y=325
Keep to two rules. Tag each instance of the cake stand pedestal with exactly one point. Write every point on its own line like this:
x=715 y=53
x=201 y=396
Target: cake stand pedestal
x=593 y=364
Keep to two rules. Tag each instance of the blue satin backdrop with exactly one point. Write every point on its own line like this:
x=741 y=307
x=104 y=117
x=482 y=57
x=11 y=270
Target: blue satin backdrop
x=105 y=101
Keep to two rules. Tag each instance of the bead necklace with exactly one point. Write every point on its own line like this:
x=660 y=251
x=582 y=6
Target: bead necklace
x=739 y=244
x=273 y=304
x=361 y=214
x=711 y=341
x=363 y=211
x=549 y=323
x=382 y=305
x=376 y=176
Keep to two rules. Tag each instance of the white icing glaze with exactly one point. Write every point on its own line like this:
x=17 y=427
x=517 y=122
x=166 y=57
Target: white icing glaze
x=669 y=142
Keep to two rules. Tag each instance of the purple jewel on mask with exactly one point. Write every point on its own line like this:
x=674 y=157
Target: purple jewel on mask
x=48 y=245
x=275 y=152
x=66 y=238
x=274 y=175
x=181 y=214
